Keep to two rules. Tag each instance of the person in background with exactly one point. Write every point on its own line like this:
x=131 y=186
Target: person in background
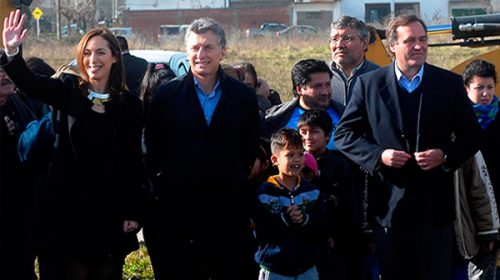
x=349 y=40
x=17 y=259
x=135 y=67
x=202 y=137
x=393 y=127
x=288 y=215
x=265 y=96
x=311 y=88
x=95 y=176
x=341 y=256
x=480 y=80
x=310 y=170
x=157 y=74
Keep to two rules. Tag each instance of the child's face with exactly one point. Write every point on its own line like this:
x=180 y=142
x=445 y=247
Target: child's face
x=314 y=138
x=289 y=161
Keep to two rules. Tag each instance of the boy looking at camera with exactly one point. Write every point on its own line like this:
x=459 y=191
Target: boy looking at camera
x=288 y=215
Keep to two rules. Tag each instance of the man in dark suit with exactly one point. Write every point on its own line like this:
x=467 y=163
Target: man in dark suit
x=135 y=67
x=202 y=139
x=410 y=124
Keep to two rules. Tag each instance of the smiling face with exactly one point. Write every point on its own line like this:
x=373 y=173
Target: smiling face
x=97 y=61
x=7 y=87
x=481 y=90
x=410 y=48
x=347 y=47
x=290 y=161
x=204 y=53
x=314 y=139
x=316 y=93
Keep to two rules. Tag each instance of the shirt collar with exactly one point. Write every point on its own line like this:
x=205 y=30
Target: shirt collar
x=399 y=74
x=212 y=93
x=353 y=72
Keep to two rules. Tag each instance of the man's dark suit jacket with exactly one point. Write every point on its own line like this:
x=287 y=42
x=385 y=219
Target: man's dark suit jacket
x=200 y=170
x=135 y=67
x=372 y=122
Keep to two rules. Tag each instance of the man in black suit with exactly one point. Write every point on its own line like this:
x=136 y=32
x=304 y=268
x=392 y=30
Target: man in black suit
x=135 y=67
x=202 y=139
x=410 y=124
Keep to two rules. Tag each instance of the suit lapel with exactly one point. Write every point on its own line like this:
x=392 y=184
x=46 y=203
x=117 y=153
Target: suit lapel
x=389 y=95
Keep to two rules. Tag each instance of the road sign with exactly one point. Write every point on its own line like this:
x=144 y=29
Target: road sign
x=37 y=13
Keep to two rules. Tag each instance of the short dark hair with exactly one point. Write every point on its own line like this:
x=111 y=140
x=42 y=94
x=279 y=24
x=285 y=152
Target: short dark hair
x=318 y=118
x=351 y=22
x=122 y=41
x=285 y=138
x=480 y=68
x=302 y=70
x=403 y=20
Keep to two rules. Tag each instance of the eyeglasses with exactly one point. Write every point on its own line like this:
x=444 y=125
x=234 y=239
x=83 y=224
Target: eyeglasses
x=346 y=38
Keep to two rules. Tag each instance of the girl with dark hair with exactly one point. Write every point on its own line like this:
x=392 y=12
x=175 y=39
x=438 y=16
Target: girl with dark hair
x=90 y=206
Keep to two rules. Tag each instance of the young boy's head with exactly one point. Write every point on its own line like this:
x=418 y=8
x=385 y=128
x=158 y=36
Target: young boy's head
x=315 y=127
x=287 y=152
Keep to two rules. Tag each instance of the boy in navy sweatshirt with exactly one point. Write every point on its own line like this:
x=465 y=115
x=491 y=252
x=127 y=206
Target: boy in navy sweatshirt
x=288 y=215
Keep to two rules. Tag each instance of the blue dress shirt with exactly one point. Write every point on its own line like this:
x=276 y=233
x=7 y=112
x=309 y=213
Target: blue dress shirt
x=409 y=85
x=210 y=101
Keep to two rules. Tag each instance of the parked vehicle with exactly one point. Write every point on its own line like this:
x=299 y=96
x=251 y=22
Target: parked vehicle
x=169 y=31
x=73 y=30
x=177 y=61
x=122 y=31
x=265 y=29
x=297 y=31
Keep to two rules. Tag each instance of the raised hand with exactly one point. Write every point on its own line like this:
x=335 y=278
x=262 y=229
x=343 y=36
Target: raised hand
x=13 y=32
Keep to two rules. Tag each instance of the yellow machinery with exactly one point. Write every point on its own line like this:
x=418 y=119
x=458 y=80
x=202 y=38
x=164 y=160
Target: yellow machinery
x=5 y=7
x=470 y=30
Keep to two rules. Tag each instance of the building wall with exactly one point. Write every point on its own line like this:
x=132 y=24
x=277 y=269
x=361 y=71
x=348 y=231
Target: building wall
x=319 y=15
x=147 y=23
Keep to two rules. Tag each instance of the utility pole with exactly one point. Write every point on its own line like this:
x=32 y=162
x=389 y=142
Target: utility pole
x=58 y=19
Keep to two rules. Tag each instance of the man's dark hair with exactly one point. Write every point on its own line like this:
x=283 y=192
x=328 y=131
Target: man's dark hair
x=317 y=118
x=480 y=68
x=403 y=20
x=285 y=138
x=351 y=22
x=123 y=43
x=302 y=70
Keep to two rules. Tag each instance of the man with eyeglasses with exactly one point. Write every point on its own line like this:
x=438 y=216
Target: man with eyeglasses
x=349 y=39
x=410 y=124
x=311 y=80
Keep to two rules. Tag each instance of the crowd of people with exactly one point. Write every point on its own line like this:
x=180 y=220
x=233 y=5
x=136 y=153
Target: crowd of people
x=367 y=173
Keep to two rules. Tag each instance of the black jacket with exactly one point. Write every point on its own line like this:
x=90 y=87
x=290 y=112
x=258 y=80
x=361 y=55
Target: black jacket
x=200 y=171
x=95 y=214
x=373 y=122
x=279 y=115
x=135 y=67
